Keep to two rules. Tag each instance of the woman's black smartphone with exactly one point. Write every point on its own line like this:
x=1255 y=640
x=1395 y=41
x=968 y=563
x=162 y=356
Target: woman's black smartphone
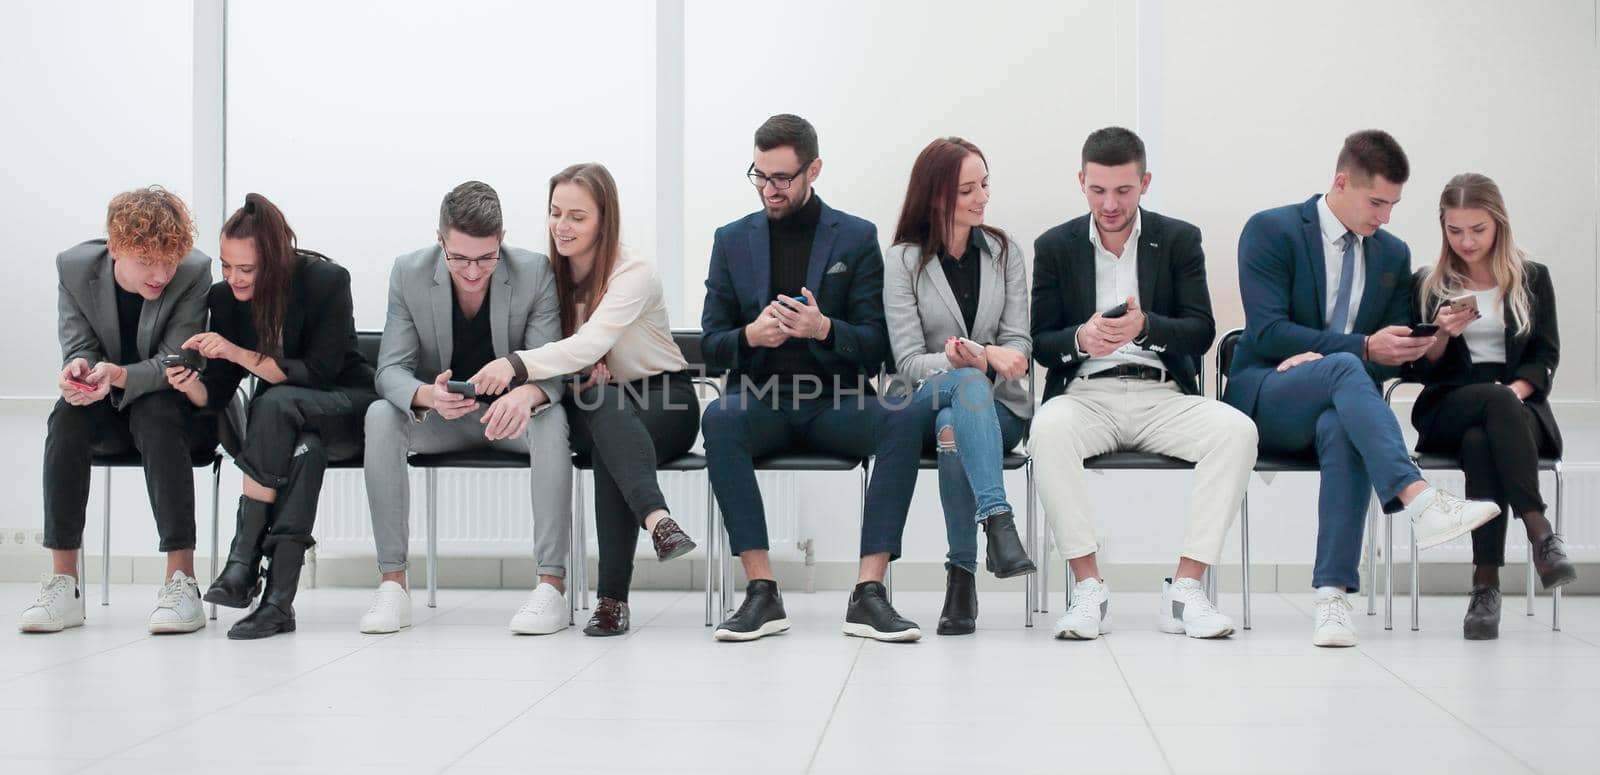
x=170 y=361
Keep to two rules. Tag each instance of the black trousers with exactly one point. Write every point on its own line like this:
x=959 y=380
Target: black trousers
x=165 y=429
x=291 y=435
x=1498 y=440
x=627 y=430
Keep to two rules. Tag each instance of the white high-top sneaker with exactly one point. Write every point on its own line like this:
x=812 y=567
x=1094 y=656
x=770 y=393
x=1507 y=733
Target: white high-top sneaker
x=58 y=606
x=1185 y=610
x=1438 y=516
x=178 y=608
x=390 y=611
x=1333 y=626
x=1090 y=613
x=545 y=612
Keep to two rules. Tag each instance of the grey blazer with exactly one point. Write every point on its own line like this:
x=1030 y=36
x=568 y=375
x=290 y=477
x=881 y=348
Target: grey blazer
x=88 y=309
x=922 y=312
x=417 y=337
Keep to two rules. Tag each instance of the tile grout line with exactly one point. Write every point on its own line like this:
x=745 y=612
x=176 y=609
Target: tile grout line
x=1161 y=749
x=246 y=698
x=558 y=687
x=1463 y=722
x=834 y=708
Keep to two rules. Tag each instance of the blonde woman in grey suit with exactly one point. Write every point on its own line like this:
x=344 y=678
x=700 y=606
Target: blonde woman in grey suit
x=956 y=301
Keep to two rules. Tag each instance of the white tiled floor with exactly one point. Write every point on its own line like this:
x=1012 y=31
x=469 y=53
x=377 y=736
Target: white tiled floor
x=457 y=693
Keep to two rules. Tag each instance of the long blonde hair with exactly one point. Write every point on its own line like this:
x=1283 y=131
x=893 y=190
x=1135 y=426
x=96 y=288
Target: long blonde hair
x=1448 y=279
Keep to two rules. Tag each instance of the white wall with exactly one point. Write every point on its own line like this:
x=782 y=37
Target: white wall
x=357 y=117
x=96 y=97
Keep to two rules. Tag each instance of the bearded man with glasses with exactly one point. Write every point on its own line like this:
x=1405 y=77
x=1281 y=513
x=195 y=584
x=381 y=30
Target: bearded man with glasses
x=453 y=307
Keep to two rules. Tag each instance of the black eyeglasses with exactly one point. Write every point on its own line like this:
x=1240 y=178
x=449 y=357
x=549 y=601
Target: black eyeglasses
x=780 y=182
x=462 y=262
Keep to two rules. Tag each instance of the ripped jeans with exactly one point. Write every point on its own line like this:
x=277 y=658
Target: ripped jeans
x=971 y=483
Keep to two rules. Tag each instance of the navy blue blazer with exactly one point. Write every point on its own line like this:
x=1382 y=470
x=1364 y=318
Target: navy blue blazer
x=1283 y=280
x=845 y=273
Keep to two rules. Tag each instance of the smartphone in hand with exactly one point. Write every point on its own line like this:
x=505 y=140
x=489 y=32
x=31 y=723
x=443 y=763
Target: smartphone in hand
x=81 y=385
x=1424 y=330
x=973 y=348
x=1464 y=301
x=462 y=388
x=1116 y=312
x=173 y=361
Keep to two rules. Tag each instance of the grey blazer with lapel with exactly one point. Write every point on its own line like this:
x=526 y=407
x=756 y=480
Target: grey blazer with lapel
x=88 y=315
x=922 y=312
x=418 y=338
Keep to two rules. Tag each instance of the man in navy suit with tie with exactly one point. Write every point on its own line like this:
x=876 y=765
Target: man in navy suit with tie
x=794 y=312
x=1327 y=295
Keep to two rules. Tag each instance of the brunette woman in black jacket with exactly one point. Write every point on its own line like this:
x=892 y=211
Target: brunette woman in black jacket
x=284 y=316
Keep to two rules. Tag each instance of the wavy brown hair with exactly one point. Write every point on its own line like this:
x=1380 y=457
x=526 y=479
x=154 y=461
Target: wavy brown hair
x=595 y=179
x=261 y=222
x=927 y=217
x=150 y=224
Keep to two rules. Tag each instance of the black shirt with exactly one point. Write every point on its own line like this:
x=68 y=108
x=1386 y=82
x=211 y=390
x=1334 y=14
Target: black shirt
x=964 y=273
x=129 y=305
x=790 y=242
x=474 y=343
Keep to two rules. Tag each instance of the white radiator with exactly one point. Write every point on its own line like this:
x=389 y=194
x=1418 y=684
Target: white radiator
x=1582 y=494
x=487 y=512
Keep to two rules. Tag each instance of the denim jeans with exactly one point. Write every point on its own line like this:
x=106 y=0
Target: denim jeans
x=971 y=483
x=743 y=427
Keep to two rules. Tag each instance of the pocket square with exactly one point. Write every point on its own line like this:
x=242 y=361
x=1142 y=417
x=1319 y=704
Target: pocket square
x=838 y=268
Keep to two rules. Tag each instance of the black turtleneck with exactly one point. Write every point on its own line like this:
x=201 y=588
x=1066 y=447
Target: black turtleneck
x=790 y=242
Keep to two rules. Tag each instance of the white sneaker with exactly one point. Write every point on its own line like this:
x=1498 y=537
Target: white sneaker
x=1437 y=516
x=1089 y=615
x=178 y=607
x=390 y=611
x=1333 y=627
x=58 y=606
x=1185 y=610
x=545 y=612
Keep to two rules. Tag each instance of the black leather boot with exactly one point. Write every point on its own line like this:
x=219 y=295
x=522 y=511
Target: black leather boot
x=960 y=614
x=240 y=580
x=1007 y=556
x=276 y=612
x=1550 y=560
x=1483 y=615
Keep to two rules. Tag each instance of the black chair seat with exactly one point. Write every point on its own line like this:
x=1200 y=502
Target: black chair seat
x=1430 y=461
x=1287 y=463
x=471 y=458
x=807 y=461
x=131 y=459
x=1135 y=461
x=350 y=462
x=1011 y=462
x=685 y=462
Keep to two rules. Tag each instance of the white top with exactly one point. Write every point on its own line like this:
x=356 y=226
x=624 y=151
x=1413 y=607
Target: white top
x=1116 y=277
x=1333 y=232
x=1486 y=336
x=629 y=330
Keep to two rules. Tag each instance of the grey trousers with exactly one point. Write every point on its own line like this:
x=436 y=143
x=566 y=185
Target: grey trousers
x=392 y=434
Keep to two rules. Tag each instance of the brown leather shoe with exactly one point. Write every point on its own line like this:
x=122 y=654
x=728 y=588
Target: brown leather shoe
x=610 y=618
x=670 y=540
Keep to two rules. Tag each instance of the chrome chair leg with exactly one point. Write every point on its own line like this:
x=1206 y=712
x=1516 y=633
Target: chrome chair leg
x=216 y=483
x=432 y=478
x=1244 y=552
x=1388 y=572
x=105 y=543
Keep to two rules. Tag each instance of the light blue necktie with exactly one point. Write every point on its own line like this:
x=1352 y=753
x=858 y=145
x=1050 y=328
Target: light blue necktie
x=1347 y=276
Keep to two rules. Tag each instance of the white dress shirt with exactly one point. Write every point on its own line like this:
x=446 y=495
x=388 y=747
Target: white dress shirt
x=1333 y=232
x=1486 y=336
x=1116 y=277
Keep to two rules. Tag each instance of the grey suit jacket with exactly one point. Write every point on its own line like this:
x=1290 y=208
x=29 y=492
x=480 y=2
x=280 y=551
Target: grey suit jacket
x=418 y=340
x=88 y=316
x=922 y=312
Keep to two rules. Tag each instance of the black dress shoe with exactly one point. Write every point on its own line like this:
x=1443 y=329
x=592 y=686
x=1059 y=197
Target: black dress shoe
x=670 y=541
x=871 y=616
x=1550 y=560
x=240 y=580
x=1483 y=615
x=610 y=618
x=960 y=614
x=760 y=615
x=276 y=612
x=1007 y=556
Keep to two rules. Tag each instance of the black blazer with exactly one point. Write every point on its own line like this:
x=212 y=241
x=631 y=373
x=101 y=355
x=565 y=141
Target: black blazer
x=1532 y=357
x=319 y=335
x=1172 y=293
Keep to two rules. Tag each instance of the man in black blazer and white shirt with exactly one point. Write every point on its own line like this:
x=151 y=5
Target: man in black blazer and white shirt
x=1121 y=316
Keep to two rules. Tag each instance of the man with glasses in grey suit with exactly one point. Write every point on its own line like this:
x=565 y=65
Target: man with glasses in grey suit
x=454 y=307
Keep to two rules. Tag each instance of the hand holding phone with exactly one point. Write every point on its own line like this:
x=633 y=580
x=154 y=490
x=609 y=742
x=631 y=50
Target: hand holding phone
x=85 y=387
x=1116 y=312
x=1424 y=329
x=462 y=388
x=973 y=349
x=1464 y=301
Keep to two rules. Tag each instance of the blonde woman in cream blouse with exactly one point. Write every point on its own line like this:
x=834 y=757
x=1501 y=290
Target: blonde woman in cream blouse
x=633 y=405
